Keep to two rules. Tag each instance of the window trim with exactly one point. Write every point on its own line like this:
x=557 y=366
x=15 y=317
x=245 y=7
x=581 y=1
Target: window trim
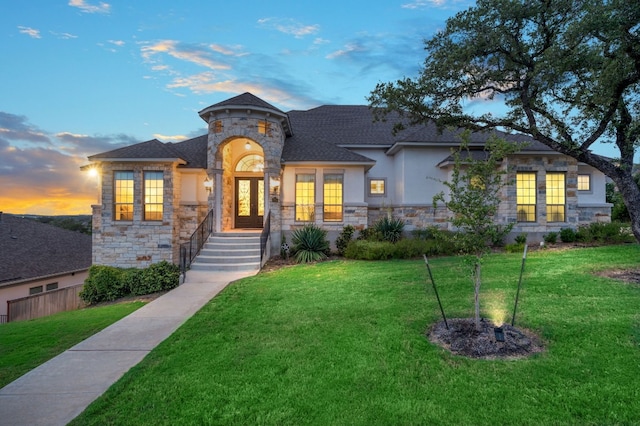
x=148 y=203
x=564 y=196
x=324 y=196
x=384 y=184
x=535 y=198
x=589 y=181
x=116 y=216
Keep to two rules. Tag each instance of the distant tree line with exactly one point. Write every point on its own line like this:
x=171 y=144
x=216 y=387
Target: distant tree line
x=80 y=223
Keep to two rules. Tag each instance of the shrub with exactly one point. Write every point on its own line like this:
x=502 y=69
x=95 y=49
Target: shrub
x=597 y=232
x=369 y=250
x=310 y=243
x=103 y=284
x=157 y=277
x=521 y=239
x=369 y=234
x=107 y=283
x=389 y=228
x=568 y=235
x=551 y=238
x=514 y=248
x=343 y=239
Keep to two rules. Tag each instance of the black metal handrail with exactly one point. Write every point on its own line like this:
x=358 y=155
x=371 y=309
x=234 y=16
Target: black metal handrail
x=264 y=237
x=190 y=249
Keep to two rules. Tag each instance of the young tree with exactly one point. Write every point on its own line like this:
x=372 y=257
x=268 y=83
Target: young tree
x=473 y=197
x=568 y=72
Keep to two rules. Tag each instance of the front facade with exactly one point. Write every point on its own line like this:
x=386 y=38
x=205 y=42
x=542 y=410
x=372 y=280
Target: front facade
x=332 y=166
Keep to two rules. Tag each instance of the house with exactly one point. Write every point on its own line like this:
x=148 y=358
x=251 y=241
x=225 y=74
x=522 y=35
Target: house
x=37 y=258
x=331 y=165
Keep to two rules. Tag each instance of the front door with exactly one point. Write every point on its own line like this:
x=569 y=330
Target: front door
x=249 y=202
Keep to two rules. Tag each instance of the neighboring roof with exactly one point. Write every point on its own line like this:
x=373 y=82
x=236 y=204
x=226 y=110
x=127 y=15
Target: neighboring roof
x=30 y=249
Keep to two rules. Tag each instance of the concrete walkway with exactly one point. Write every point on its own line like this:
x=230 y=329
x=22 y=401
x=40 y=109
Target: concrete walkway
x=60 y=389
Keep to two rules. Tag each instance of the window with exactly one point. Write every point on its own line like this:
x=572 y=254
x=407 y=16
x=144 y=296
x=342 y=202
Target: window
x=217 y=126
x=153 y=195
x=52 y=286
x=264 y=127
x=305 y=197
x=35 y=290
x=333 y=197
x=123 y=195
x=526 y=197
x=555 y=197
x=584 y=182
x=377 y=186
x=250 y=163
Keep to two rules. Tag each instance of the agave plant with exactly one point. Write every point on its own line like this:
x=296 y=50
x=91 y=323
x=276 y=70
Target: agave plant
x=390 y=228
x=310 y=243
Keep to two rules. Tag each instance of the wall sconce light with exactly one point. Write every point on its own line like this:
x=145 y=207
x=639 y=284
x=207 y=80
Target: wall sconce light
x=208 y=184
x=274 y=186
x=247 y=146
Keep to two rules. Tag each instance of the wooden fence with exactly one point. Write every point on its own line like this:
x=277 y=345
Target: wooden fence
x=44 y=304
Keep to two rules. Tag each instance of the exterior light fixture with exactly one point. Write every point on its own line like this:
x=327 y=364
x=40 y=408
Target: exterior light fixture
x=499 y=333
x=247 y=146
x=208 y=184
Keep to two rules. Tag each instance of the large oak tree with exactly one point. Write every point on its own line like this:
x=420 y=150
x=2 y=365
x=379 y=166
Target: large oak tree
x=566 y=71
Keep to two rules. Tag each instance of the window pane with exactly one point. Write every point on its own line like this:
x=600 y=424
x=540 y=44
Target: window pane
x=123 y=195
x=555 y=197
x=333 y=197
x=305 y=198
x=153 y=195
x=376 y=187
x=584 y=182
x=526 y=197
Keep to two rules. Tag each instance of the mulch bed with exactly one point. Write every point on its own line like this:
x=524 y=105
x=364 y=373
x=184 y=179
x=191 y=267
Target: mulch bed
x=631 y=276
x=463 y=339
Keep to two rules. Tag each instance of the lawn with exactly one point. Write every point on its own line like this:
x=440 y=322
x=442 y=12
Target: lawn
x=25 y=345
x=343 y=342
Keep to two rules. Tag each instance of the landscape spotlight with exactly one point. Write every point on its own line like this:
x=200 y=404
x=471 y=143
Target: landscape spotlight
x=499 y=332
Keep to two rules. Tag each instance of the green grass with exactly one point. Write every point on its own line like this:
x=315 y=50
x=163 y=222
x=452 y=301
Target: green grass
x=25 y=345
x=343 y=342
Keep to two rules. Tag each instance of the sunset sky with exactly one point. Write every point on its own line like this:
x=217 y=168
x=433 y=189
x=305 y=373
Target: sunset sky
x=80 y=77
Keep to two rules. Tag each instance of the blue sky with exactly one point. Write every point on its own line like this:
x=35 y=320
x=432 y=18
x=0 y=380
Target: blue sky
x=80 y=77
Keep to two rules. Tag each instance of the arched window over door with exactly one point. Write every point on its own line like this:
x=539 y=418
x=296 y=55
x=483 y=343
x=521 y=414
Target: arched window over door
x=251 y=163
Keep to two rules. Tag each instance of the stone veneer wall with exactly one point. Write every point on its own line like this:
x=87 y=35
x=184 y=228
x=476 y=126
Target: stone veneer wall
x=242 y=124
x=137 y=243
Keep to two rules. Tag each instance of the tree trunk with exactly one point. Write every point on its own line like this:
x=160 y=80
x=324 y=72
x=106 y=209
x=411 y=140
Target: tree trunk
x=477 y=280
x=631 y=197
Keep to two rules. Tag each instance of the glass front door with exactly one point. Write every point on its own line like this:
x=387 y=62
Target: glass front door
x=249 y=202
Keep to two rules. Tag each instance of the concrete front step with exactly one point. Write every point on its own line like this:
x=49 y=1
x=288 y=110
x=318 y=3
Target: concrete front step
x=238 y=251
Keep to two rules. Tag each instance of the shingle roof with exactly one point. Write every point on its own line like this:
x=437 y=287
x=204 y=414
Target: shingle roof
x=149 y=149
x=30 y=249
x=194 y=151
x=320 y=134
x=245 y=99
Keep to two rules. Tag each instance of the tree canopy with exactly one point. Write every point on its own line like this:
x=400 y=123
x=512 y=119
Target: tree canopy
x=565 y=72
